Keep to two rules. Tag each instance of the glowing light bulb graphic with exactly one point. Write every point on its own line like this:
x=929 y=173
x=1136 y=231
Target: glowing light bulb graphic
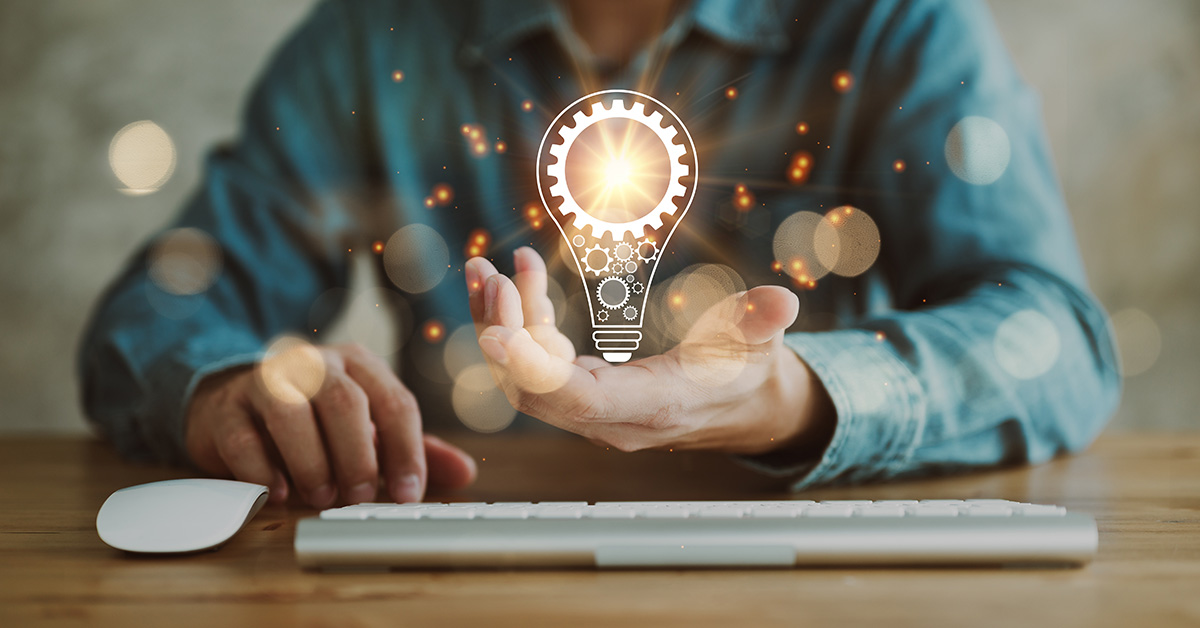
x=617 y=172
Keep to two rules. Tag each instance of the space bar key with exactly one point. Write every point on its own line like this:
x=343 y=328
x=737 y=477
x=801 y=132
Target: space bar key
x=695 y=555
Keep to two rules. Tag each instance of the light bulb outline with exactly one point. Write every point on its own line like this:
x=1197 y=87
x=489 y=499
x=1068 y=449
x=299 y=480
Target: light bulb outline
x=676 y=201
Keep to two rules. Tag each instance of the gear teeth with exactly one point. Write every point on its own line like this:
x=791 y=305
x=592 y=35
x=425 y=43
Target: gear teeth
x=596 y=111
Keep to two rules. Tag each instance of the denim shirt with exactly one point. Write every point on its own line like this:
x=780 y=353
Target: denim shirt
x=971 y=341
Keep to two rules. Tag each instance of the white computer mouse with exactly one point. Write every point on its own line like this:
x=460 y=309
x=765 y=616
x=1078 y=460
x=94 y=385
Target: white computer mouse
x=178 y=515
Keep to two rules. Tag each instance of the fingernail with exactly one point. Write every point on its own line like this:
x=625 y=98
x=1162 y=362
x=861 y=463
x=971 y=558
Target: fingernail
x=473 y=284
x=494 y=349
x=360 y=493
x=408 y=489
x=490 y=288
x=323 y=496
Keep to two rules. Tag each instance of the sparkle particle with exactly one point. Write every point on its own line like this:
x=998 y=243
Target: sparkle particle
x=843 y=81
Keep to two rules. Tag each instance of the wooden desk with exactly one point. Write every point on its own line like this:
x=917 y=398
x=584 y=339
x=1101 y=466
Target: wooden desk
x=1143 y=489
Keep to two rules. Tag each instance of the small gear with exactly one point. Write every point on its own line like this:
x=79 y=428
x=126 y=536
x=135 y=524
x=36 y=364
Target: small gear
x=629 y=279
x=587 y=264
x=616 y=267
x=602 y=315
x=612 y=293
x=630 y=267
x=630 y=313
x=623 y=251
x=646 y=244
x=638 y=287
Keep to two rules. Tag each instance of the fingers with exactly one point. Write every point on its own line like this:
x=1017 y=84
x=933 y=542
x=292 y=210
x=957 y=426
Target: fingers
x=768 y=310
x=531 y=282
x=397 y=418
x=477 y=271
x=244 y=452
x=342 y=409
x=293 y=427
x=449 y=467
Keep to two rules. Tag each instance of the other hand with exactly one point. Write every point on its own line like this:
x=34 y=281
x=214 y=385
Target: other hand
x=334 y=434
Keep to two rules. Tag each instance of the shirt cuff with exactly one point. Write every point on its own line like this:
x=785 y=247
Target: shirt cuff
x=879 y=404
x=176 y=374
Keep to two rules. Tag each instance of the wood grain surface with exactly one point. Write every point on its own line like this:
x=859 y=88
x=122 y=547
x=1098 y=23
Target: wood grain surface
x=1143 y=489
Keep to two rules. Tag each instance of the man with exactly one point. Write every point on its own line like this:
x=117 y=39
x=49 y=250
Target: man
x=972 y=341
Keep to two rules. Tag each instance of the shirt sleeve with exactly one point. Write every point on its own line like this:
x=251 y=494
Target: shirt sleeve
x=278 y=205
x=989 y=349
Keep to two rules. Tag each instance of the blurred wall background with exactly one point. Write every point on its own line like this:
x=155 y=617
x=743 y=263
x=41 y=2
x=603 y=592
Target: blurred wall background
x=1119 y=80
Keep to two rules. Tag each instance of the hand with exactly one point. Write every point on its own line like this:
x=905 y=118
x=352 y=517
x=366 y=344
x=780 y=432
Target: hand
x=731 y=385
x=335 y=434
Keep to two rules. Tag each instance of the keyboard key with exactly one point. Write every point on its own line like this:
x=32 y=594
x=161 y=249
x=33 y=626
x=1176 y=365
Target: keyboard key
x=556 y=512
x=826 y=509
x=776 y=512
x=397 y=512
x=665 y=512
x=609 y=512
x=503 y=512
x=942 y=502
x=448 y=512
x=347 y=513
x=924 y=509
x=1039 y=510
x=880 y=510
x=987 y=510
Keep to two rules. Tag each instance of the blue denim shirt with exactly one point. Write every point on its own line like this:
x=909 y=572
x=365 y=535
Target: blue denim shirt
x=917 y=354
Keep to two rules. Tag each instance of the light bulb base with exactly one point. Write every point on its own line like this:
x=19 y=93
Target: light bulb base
x=615 y=345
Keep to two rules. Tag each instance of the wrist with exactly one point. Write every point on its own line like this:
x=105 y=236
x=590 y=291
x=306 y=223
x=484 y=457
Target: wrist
x=805 y=414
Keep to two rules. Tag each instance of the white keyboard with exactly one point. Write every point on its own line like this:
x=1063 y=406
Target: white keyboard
x=694 y=534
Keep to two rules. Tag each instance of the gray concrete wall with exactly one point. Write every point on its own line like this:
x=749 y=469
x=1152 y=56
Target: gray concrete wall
x=1120 y=82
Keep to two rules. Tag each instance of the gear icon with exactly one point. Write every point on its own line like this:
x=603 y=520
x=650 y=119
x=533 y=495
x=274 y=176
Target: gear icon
x=646 y=244
x=612 y=293
x=616 y=268
x=638 y=287
x=602 y=315
x=630 y=313
x=600 y=269
x=623 y=251
x=629 y=279
x=653 y=121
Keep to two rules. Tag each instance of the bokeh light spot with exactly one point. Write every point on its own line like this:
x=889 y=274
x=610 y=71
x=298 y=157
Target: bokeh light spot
x=415 y=258
x=847 y=241
x=292 y=370
x=184 y=261
x=479 y=404
x=1139 y=341
x=1027 y=344
x=142 y=156
x=977 y=150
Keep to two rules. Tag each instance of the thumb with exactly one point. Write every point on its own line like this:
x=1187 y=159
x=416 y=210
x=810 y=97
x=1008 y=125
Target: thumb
x=766 y=311
x=449 y=467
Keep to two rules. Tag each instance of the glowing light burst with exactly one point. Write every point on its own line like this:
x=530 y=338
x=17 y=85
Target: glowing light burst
x=731 y=93
x=802 y=128
x=397 y=76
x=898 y=166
